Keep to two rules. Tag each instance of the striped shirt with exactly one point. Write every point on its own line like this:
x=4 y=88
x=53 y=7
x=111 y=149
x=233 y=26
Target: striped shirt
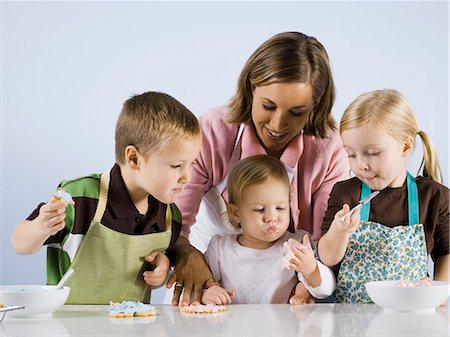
x=120 y=215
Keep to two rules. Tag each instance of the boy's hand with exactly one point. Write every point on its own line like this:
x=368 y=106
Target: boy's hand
x=304 y=261
x=51 y=217
x=301 y=295
x=217 y=295
x=350 y=225
x=161 y=262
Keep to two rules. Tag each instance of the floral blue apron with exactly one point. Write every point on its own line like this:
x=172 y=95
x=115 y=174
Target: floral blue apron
x=376 y=252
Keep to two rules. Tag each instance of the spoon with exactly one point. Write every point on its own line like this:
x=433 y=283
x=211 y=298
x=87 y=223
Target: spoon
x=359 y=205
x=65 y=278
x=4 y=310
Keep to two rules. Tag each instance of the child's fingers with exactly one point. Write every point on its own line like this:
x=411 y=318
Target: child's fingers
x=212 y=299
x=52 y=222
x=352 y=224
x=52 y=208
x=231 y=292
x=221 y=298
x=206 y=300
x=296 y=300
x=56 y=228
x=154 y=279
x=307 y=242
x=51 y=218
x=356 y=215
x=56 y=202
x=226 y=298
x=152 y=257
x=345 y=209
x=55 y=224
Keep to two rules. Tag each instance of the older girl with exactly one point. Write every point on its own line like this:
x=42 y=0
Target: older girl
x=391 y=237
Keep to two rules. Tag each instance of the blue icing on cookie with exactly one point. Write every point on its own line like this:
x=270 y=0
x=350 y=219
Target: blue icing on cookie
x=130 y=307
x=64 y=196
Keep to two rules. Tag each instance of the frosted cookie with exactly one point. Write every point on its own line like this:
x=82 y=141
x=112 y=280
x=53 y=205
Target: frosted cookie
x=203 y=309
x=128 y=309
x=288 y=253
x=426 y=282
x=64 y=196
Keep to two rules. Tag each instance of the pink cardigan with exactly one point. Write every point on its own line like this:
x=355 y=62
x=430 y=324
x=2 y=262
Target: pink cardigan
x=321 y=163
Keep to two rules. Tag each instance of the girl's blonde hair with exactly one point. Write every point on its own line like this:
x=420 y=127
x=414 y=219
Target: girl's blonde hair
x=152 y=120
x=389 y=111
x=253 y=171
x=289 y=57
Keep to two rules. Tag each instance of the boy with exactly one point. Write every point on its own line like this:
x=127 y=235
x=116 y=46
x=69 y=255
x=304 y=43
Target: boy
x=124 y=219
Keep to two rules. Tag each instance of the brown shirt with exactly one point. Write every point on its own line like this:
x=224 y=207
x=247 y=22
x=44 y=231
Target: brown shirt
x=390 y=208
x=120 y=215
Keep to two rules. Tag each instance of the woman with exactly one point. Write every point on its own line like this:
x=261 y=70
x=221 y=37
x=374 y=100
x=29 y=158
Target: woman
x=282 y=108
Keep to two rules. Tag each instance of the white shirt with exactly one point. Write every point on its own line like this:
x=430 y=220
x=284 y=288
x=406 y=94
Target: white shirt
x=257 y=275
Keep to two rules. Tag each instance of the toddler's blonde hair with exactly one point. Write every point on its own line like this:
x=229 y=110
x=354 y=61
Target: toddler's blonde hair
x=253 y=171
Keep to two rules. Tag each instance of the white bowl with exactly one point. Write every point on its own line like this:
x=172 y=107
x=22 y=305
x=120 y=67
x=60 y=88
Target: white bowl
x=390 y=296
x=37 y=299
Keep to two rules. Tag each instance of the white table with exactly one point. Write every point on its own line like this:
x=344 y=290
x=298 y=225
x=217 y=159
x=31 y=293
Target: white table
x=240 y=320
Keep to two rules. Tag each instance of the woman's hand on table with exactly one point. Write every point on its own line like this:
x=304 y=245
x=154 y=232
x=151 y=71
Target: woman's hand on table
x=190 y=275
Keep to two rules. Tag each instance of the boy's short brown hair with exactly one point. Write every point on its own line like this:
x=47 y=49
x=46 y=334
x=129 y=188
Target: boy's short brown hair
x=152 y=120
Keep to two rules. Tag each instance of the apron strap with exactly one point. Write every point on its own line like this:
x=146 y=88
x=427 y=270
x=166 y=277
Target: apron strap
x=103 y=197
x=365 y=210
x=413 y=200
x=168 y=217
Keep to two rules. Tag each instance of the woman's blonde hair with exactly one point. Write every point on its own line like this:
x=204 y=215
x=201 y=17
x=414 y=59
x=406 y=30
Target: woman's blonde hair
x=253 y=171
x=152 y=120
x=389 y=111
x=289 y=57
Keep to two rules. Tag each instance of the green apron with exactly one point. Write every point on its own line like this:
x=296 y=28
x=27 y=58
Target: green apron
x=109 y=265
x=376 y=252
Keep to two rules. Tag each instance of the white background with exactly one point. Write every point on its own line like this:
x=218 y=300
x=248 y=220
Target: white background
x=67 y=67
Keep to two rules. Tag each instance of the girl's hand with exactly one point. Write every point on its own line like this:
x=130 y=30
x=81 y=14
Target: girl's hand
x=304 y=261
x=161 y=262
x=51 y=218
x=350 y=225
x=217 y=295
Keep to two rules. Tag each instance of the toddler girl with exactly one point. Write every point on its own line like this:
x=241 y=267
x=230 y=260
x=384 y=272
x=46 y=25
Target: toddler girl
x=391 y=236
x=248 y=266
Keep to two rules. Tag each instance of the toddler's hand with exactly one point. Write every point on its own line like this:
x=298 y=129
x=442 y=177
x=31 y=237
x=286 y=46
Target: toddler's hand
x=158 y=276
x=301 y=295
x=51 y=217
x=350 y=225
x=217 y=295
x=304 y=261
